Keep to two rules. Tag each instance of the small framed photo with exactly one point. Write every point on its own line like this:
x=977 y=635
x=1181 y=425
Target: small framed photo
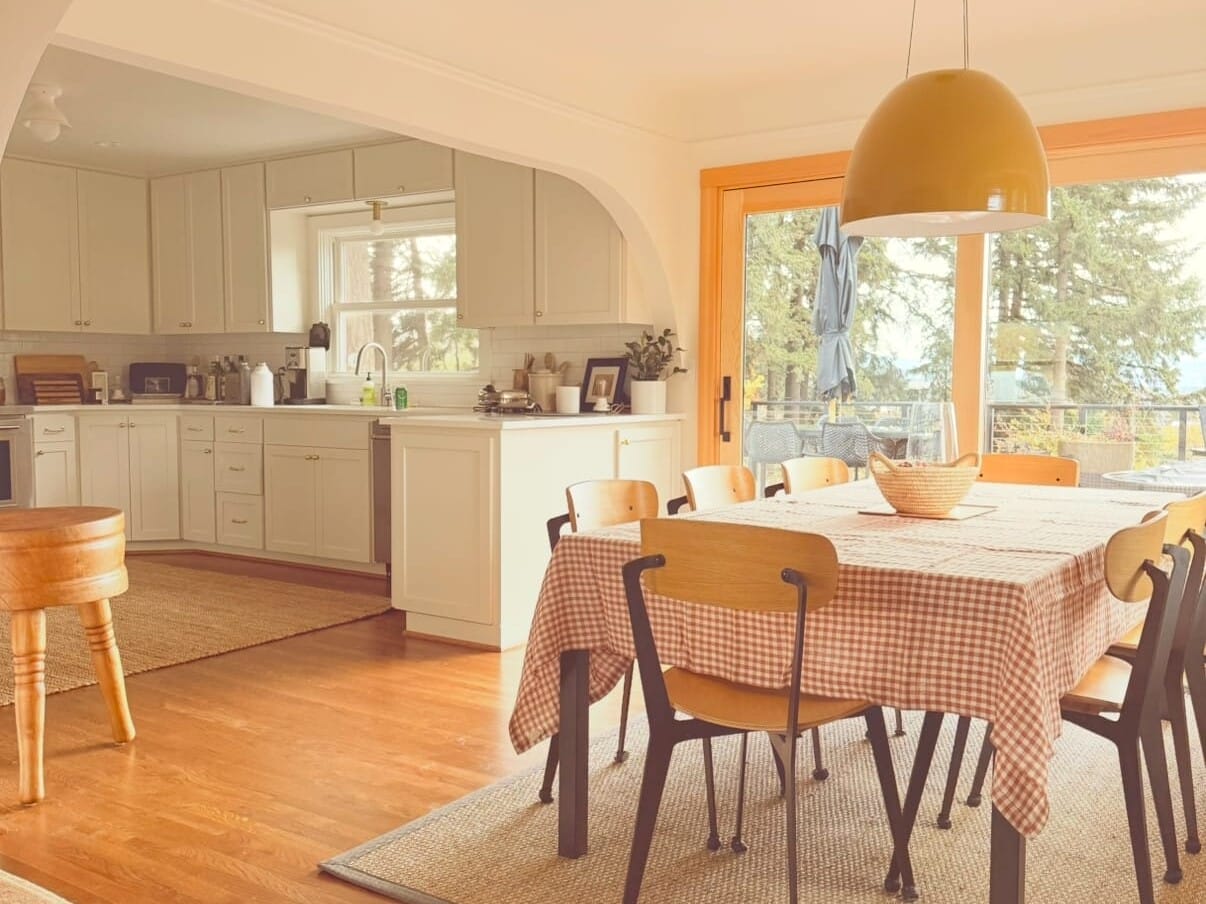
x=604 y=378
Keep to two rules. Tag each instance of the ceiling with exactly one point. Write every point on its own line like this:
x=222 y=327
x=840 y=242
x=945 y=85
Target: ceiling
x=165 y=124
x=703 y=69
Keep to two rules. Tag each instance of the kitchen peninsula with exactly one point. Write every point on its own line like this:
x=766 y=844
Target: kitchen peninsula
x=471 y=495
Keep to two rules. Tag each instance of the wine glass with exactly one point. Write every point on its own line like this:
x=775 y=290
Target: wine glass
x=932 y=435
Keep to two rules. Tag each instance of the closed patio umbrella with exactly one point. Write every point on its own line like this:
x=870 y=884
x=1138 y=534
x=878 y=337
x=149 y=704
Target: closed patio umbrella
x=833 y=313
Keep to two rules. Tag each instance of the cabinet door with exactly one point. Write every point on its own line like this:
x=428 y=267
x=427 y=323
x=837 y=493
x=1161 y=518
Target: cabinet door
x=312 y=179
x=40 y=247
x=241 y=520
x=115 y=288
x=579 y=255
x=171 y=282
x=55 y=475
x=402 y=168
x=494 y=268
x=105 y=462
x=290 y=500
x=245 y=248
x=344 y=517
x=197 y=492
x=208 y=281
x=154 y=477
x=651 y=453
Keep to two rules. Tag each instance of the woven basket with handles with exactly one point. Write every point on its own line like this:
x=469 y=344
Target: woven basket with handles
x=931 y=488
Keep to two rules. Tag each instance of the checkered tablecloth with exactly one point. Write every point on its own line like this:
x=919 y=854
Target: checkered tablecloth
x=995 y=617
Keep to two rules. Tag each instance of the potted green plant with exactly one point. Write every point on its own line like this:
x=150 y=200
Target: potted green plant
x=652 y=361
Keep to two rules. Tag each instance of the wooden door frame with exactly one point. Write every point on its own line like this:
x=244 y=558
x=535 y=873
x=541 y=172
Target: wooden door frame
x=1128 y=147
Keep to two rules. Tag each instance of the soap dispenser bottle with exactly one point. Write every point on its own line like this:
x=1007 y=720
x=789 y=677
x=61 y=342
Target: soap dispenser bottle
x=368 y=392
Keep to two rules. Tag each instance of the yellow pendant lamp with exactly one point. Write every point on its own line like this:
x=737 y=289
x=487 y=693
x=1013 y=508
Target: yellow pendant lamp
x=948 y=152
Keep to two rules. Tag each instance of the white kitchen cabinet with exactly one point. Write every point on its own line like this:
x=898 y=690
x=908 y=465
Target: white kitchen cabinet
x=197 y=503
x=114 y=248
x=310 y=179
x=291 y=512
x=188 y=275
x=402 y=168
x=240 y=520
x=494 y=240
x=129 y=461
x=316 y=502
x=239 y=468
x=56 y=480
x=245 y=249
x=651 y=453
x=40 y=223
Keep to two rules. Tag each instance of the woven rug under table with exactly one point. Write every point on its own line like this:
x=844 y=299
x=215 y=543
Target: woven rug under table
x=172 y=615
x=498 y=845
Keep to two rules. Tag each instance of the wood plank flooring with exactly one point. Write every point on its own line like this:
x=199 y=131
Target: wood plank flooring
x=252 y=766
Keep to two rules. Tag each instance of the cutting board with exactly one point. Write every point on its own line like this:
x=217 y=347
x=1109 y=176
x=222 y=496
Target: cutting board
x=41 y=370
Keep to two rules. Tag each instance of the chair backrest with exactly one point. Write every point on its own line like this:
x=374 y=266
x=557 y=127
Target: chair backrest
x=770 y=442
x=715 y=486
x=602 y=503
x=1042 y=470
x=1186 y=526
x=850 y=443
x=812 y=472
x=1128 y=553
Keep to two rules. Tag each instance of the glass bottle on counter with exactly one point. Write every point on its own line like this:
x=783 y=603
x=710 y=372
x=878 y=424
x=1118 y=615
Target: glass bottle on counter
x=244 y=381
x=213 y=381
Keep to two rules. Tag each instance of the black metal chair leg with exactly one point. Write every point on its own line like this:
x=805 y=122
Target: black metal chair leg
x=550 y=770
x=778 y=764
x=953 y=770
x=710 y=788
x=819 y=772
x=737 y=844
x=975 y=797
x=621 y=753
x=921 y=770
x=653 y=782
x=1180 y=732
x=1132 y=790
x=877 y=732
x=793 y=879
x=900 y=732
x=1152 y=736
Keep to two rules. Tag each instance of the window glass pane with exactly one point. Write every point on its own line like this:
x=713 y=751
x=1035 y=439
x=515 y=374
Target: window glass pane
x=417 y=340
x=1097 y=326
x=397 y=268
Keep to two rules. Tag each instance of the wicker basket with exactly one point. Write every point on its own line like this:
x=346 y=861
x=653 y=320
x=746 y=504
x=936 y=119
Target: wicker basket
x=931 y=489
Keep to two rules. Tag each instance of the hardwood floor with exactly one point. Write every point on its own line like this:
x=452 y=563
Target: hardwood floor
x=252 y=766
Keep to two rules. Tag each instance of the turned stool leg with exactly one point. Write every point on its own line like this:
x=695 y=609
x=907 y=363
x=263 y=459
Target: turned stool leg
x=106 y=662
x=29 y=689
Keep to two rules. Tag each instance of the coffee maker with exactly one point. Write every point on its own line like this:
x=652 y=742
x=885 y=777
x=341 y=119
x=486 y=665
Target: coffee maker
x=305 y=375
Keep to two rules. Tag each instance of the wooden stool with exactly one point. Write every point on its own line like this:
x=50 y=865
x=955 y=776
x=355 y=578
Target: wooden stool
x=72 y=556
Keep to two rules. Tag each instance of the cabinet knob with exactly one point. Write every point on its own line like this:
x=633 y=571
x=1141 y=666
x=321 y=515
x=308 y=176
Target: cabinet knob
x=235 y=468
x=208 y=451
x=460 y=316
x=132 y=425
x=79 y=323
x=625 y=442
x=53 y=429
x=540 y=313
x=87 y=323
x=238 y=520
x=401 y=189
x=39 y=453
x=306 y=198
x=261 y=323
x=123 y=425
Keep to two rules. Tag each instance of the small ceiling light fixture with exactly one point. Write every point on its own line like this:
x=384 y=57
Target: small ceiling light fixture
x=45 y=120
x=377 y=227
x=947 y=152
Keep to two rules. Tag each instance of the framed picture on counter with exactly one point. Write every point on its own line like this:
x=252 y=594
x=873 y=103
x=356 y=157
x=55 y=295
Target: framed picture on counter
x=604 y=378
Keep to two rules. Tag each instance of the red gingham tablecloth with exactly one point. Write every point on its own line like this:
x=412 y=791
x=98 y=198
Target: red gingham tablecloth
x=995 y=617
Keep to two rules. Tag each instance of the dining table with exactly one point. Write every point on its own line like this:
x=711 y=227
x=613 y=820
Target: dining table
x=993 y=616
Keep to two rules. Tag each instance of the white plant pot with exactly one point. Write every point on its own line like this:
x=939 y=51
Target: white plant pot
x=648 y=396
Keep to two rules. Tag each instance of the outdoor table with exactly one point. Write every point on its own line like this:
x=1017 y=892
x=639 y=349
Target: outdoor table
x=1186 y=477
x=993 y=617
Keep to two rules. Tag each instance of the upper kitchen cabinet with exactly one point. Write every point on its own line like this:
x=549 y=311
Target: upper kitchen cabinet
x=312 y=179
x=186 y=227
x=245 y=248
x=402 y=168
x=75 y=249
x=495 y=280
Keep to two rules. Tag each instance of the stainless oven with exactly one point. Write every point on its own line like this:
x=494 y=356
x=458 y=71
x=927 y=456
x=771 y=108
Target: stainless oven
x=16 y=459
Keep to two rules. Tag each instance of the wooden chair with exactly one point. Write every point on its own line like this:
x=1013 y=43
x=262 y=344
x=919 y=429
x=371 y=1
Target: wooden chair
x=61 y=557
x=593 y=504
x=810 y=472
x=751 y=569
x=1042 y=470
x=714 y=486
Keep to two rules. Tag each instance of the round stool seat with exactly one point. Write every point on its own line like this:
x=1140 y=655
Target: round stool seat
x=61 y=556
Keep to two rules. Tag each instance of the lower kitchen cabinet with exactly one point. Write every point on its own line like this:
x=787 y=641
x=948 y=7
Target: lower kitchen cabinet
x=651 y=453
x=197 y=504
x=56 y=480
x=317 y=502
x=240 y=520
x=129 y=461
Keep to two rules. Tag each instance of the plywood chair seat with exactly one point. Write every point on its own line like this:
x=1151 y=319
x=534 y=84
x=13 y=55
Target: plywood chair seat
x=1128 y=642
x=1101 y=690
x=750 y=708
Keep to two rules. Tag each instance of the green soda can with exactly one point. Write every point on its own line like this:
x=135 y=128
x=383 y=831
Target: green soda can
x=400 y=401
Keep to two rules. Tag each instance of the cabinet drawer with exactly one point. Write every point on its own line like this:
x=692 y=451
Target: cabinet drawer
x=53 y=428
x=196 y=427
x=312 y=179
x=235 y=428
x=238 y=468
x=337 y=432
x=240 y=520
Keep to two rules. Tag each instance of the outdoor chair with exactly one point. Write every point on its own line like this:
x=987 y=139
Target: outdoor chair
x=852 y=443
x=769 y=443
x=593 y=504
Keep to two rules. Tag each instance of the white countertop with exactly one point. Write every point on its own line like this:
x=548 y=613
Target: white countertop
x=211 y=408
x=476 y=421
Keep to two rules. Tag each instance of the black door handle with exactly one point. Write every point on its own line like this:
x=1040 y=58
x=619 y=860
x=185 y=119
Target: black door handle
x=726 y=395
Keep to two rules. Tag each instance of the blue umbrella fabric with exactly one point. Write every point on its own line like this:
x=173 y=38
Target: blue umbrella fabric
x=837 y=300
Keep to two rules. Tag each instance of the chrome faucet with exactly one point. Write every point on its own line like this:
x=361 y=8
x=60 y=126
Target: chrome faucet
x=384 y=398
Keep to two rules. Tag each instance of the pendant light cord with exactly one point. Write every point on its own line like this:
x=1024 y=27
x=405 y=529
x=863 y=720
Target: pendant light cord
x=965 y=62
x=912 y=25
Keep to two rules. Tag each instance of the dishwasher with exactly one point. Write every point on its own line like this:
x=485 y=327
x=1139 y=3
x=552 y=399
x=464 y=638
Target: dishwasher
x=379 y=436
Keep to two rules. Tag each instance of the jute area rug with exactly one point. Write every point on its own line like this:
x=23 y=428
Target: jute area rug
x=498 y=846
x=172 y=615
x=15 y=890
